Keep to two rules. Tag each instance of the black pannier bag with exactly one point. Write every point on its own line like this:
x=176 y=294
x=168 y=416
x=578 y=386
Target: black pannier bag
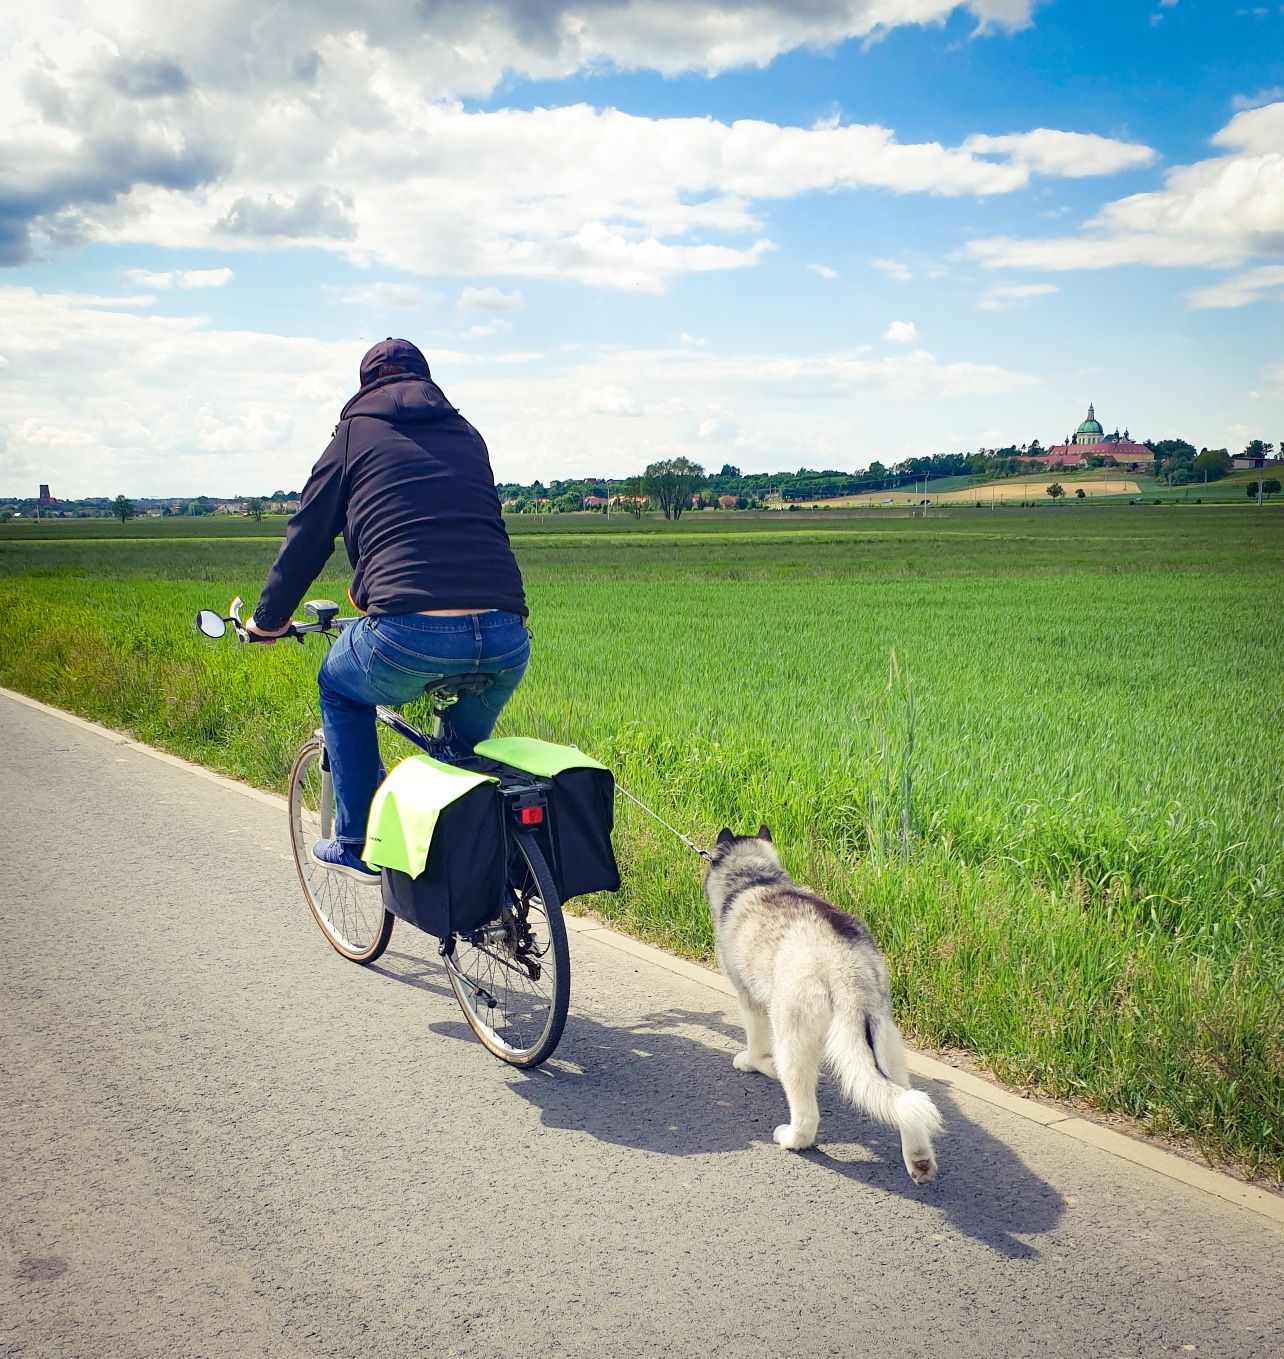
x=581 y=810
x=437 y=834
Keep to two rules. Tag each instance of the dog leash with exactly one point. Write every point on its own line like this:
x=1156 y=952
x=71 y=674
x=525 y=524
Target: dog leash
x=686 y=840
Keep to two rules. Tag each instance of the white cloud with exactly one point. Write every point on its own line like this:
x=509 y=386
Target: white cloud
x=1005 y=296
x=1240 y=289
x=180 y=278
x=483 y=329
x=1242 y=102
x=1271 y=386
x=266 y=404
x=823 y=270
x=239 y=127
x=901 y=332
x=610 y=401
x=894 y=269
x=1070 y=155
x=261 y=411
x=489 y=299
x=1218 y=212
x=383 y=296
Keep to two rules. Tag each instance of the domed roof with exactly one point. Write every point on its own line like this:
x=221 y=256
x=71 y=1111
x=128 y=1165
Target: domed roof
x=1090 y=425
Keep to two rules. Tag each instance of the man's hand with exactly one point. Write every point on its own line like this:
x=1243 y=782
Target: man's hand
x=261 y=635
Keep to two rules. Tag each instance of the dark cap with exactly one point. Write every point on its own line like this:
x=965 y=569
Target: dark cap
x=391 y=356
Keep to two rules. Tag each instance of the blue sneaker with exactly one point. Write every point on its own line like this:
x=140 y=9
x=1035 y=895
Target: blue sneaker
x=336 y=855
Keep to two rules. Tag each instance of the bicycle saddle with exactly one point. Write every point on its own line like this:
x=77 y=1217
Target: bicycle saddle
x=451 y=686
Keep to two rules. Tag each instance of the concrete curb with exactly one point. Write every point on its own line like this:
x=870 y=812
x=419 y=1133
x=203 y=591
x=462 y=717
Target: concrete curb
x=1096 y=1135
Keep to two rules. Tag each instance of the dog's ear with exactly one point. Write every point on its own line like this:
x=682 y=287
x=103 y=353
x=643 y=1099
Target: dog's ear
x=725 y=837
x=764 y=833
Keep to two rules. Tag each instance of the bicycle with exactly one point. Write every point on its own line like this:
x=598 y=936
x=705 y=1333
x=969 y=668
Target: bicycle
x=512 y=975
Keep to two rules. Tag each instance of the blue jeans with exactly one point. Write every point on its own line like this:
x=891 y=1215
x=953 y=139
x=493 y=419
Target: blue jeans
x=389 y=659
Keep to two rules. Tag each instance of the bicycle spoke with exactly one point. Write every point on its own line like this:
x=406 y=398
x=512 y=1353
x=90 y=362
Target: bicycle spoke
x=517 y=1015
x=351 y=915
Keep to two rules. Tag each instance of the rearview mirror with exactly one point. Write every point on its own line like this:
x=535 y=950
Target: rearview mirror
x=210 y=623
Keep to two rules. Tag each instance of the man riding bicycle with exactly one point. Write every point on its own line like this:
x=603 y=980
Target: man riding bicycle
x=407 y=481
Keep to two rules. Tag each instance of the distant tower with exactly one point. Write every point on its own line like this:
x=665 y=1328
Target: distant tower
x=1090 y=432
x=45 y=498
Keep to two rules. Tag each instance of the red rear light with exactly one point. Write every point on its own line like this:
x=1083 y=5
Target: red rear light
x=531 y=816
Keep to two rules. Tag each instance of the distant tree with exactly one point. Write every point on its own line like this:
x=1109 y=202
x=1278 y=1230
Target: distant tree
x=564 y=504
x=122 y=508
x=1164 y=449
x=729 y=471
x=671 y=483
x=1214 y=463
x=635 y=496
x=1257 y=448
x=254 y=508
x=1269 y=488
x=5 y=515
x=1056 y=491
x=1081 y=494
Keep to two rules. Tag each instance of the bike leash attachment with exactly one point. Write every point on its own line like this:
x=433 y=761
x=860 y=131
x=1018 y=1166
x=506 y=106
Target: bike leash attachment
x=686 y=840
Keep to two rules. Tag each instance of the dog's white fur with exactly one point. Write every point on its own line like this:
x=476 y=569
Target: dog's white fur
x=813 y=991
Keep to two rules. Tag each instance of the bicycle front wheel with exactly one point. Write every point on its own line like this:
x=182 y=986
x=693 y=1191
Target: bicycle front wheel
x=512 y=977
x=351 y=914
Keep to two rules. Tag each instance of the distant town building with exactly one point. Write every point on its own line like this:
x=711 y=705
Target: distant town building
x=1091 y=441
x=45 y=497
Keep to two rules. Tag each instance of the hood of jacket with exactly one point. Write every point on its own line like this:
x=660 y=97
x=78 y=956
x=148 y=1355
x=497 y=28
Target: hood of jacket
x=400 y=398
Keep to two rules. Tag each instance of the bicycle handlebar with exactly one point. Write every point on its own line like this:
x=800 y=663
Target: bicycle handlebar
x=215 y=625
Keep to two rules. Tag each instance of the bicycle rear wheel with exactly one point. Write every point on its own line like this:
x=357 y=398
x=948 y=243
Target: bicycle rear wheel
x=512 y=977
x=351 y=914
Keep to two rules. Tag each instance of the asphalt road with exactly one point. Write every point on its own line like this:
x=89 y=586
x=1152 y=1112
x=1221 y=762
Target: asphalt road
x=219 y=1138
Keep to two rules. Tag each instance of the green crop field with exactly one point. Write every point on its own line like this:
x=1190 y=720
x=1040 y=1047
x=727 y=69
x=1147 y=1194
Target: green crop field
x=1040 y=751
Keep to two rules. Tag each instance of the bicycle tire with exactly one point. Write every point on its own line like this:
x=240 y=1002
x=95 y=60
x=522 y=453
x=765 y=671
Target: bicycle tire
x=351 y=914
x=518 y=1016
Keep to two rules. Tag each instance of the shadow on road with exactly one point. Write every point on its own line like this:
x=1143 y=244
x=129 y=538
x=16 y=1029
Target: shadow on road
x=664 y=1083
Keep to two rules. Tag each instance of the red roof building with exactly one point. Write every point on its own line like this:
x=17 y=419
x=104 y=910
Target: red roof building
x=1091 y=441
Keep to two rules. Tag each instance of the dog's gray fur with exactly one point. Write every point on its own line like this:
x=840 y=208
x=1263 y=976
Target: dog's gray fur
x=812 y=987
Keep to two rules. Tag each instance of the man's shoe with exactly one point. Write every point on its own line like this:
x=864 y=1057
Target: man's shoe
x=336 y=855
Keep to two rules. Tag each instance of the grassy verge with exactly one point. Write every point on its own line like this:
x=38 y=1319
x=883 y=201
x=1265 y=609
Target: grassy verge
x=1060 y=811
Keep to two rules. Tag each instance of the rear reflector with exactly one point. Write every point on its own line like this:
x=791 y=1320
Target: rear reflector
x=530 y=816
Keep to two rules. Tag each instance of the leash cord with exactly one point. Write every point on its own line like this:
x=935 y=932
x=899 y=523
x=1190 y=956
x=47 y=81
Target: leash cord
x=686 y=840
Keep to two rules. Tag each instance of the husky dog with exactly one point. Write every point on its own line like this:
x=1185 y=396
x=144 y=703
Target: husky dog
x=812 y=987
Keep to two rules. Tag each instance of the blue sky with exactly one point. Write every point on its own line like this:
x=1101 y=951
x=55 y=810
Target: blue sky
x=771 y=234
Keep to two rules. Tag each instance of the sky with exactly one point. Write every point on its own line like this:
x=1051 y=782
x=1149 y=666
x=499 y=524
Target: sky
x=771 y=233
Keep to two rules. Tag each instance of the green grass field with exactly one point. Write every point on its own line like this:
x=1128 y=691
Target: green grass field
x=1039 y=750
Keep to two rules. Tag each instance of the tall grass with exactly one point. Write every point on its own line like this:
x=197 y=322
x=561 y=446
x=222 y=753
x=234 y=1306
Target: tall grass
x=1040 y=752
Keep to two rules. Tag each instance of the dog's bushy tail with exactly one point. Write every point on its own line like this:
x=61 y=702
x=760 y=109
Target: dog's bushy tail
x=855 y=1048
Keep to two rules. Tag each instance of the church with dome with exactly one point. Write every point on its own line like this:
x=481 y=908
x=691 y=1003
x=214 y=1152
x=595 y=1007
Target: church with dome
x=1090 y=441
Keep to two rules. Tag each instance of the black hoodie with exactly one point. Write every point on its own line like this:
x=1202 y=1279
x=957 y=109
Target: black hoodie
x=407 y=481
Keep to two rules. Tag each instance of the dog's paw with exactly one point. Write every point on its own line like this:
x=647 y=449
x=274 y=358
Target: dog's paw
x=746 y=1061
x=791 y=1139
x=922 y=1168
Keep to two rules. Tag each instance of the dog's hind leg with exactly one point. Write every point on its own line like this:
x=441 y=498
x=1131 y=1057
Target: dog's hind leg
x=757 y=1053
x=799 y=1025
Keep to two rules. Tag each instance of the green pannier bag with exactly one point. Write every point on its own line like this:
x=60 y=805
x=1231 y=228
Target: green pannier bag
x=581 y=810
x=437 y=834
